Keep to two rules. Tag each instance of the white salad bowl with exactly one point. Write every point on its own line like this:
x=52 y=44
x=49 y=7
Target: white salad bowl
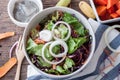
x=40 y=17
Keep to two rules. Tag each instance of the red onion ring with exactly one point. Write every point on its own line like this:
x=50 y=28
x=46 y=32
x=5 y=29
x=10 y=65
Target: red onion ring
x=12 y=48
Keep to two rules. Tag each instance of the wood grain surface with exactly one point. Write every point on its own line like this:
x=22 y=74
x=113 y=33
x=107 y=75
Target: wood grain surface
x=7 y=25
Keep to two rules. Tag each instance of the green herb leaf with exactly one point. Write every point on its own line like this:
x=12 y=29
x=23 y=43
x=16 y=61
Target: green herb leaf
x=77 y=26
x=71 y=45
x=52 y=71
x=63 y=30
x=49 y=25
x=43 y=63
x=34 y=33
x=56 y=49
x=68 y=63
x=74 y=43
x=60 y=70
x=37 y=50
x=30 y=44
x=55 y=16
x=33 y=48
x=47 y=54
x=69 y=18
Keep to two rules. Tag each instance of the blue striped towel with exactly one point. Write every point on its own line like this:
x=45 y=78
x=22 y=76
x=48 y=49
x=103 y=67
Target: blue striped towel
x=105 y=65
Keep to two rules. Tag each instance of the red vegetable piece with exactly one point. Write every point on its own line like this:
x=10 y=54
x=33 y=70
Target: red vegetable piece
x=100 y=2
x=114 y=15
x=118 y=12
x=118 y=5
x=105 y=17
x=106 y=1
x=101 y=10
x=111 y=10
x=111 y=3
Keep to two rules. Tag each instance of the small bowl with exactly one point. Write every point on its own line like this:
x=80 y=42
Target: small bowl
x=40 y=16
x=98 y=18
x=10 y=9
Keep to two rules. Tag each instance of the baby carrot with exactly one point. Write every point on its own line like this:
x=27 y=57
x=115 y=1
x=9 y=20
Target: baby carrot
x=6 y=34
x=7 y=66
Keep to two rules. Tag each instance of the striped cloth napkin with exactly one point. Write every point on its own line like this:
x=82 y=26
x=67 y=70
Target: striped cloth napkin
x=105 y=65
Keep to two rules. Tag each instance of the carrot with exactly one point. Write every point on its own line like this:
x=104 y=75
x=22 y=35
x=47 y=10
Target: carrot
x=118 y=12
x=7 y=66
x=118 y=5
x=6 y=35
x=111 y=10
x=54 y=66
x=114 y=15
x=101 y=10
x=111 y=3
x=100 y=2
x=106 y=1
x=39 y=41
x=105 y=17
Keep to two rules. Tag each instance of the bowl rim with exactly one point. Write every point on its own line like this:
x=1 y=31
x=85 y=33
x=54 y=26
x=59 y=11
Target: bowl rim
x=98 y=18
x=75 y=72
x=18 y=23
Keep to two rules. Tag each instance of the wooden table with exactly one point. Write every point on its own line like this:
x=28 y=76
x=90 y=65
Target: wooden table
x=7 y=25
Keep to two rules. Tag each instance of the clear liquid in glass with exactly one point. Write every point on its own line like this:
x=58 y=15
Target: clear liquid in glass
x=24 y=10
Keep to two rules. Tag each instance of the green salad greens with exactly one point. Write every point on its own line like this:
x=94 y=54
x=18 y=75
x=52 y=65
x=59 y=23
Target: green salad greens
x=78 y=44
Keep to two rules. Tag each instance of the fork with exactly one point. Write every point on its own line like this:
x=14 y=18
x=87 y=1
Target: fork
x=20 y=57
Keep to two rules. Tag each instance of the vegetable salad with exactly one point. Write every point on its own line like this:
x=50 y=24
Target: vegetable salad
x=59 y=44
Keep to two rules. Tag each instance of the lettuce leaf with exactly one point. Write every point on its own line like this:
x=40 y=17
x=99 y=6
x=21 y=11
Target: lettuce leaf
x=34 y=33
x=49 y=25
x=37 y=50
x=69 y=63
x=74 y=43
x=60 y=70
x=63 y=30
x=77 y=26
x=55 y=16
x=52 y=71
x=47 y=54
x=30 y=44
x=43 y=63
x=56 y=49
x=69 y=18
x=33 y=48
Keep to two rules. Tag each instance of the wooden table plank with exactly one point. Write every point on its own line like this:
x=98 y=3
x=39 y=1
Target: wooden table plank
x=7 y=25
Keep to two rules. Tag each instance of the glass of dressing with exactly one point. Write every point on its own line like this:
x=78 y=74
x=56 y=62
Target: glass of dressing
x=21 y=11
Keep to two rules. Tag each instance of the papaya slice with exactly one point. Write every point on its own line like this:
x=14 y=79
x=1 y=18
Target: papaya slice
x=110 y=3
x=100 y=2
x=101 y=10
